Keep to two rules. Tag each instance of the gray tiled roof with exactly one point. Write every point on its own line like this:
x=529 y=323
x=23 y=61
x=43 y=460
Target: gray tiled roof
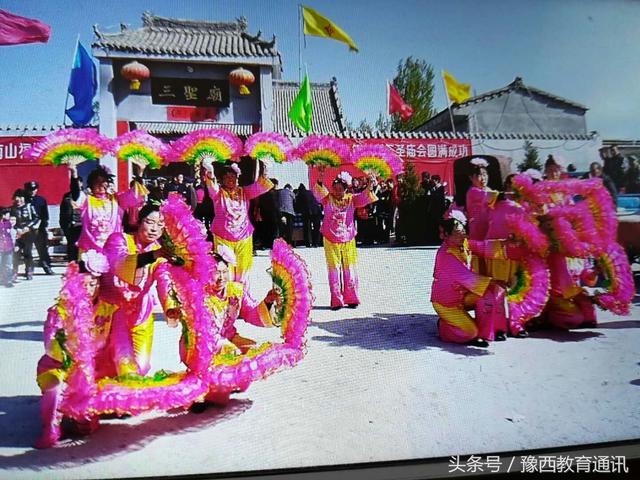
x=168 y=36
x=472 y=136
x=327 y=111
x=13 y=130
x=518 y=84
x=181 y=128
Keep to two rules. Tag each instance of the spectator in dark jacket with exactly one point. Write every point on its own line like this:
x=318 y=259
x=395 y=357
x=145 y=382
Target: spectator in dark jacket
x=632 y=176
x=269 y=215
x=180 y=187
x=71 y=223
x=204 y=206
x=595 y=171
x=286 y=199
x=311 y=211
x=436 y=209
x=41 y=239
x=27 y=223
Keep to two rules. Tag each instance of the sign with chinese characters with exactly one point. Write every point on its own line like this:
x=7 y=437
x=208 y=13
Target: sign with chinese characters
x=15 y=170
x=192 y=114
x=433 y=155
x=13 y=148
x=198 y=92
x=424 y=149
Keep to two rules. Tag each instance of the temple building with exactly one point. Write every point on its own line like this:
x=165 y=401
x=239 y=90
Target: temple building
x=172 y=76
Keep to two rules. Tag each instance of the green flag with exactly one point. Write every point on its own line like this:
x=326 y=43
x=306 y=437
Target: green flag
x=301 y=109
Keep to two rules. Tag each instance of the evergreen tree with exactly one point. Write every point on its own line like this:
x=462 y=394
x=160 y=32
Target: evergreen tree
x=382 y=124
x=531 y=159
x=411 y=189
x=411 y=215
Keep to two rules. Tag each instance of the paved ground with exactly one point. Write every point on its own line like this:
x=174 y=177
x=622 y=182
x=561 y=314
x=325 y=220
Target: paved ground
x=376 y=385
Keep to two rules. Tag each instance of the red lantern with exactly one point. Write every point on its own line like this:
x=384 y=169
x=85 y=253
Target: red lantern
x=134 y=72
x=242 y=78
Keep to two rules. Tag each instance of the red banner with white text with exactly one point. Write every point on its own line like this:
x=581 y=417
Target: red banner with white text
x=15 y=171
x=433 y=155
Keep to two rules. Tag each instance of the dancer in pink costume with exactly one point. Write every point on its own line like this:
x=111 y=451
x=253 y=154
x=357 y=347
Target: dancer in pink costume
x=53 y=366
x=569 y=306
x=136 y=265
x=457 y=288
x=502 y=271
x=102 y=211
x=479 y=200
x=339 y=231
x=231 y=225
x=227 y=301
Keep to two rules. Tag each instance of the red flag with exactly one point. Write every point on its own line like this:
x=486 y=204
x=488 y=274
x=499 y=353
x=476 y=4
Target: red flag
x=398 y=105
x=15 y=30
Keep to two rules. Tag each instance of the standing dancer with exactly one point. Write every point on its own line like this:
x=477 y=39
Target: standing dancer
x=457 y=288
x=503 y=270
x=479 y=199
x=339 y=231
x=102 y=212
x=134 y=267
x=231 y=225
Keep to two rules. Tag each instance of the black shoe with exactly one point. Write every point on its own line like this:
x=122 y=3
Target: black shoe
x=522 y=334
x=478 y=342
x=29 y=276
x=47 y=270
x=198 y=407
x=352 y=305
x=500 y=337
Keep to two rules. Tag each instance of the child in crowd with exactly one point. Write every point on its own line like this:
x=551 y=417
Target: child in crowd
x=7 y=244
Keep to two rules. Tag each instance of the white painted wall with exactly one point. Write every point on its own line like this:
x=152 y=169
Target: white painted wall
x=579 y=152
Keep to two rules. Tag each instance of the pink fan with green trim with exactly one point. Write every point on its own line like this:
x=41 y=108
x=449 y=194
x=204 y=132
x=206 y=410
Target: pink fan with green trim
x=377 y=160
x=69 y=147
x=269 y=146
x=140 y=148
x=323 y=151
x=215 y=145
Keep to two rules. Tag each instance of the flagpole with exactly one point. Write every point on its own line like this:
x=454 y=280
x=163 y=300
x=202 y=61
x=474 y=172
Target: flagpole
x=66 y=100
x=446 y=94
x=300 y=42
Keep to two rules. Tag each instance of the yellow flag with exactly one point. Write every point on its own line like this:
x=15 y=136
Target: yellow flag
x=458 y=92
x=321 y=26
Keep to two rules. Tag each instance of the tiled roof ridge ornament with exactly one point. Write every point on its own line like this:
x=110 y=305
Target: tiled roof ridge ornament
x=149 y=20
x=97 y=32
x=242 y=23
x=517 y=82
x=256 y=39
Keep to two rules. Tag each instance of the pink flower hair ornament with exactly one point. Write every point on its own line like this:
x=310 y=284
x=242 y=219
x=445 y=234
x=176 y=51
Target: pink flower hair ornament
x=479 y=162
x=95 y=262
x=227 y=254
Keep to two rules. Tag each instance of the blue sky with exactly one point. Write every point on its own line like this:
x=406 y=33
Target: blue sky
x=583 y=50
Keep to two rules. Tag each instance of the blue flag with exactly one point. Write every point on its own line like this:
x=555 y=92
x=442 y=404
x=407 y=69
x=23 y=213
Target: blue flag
x=82 y=87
